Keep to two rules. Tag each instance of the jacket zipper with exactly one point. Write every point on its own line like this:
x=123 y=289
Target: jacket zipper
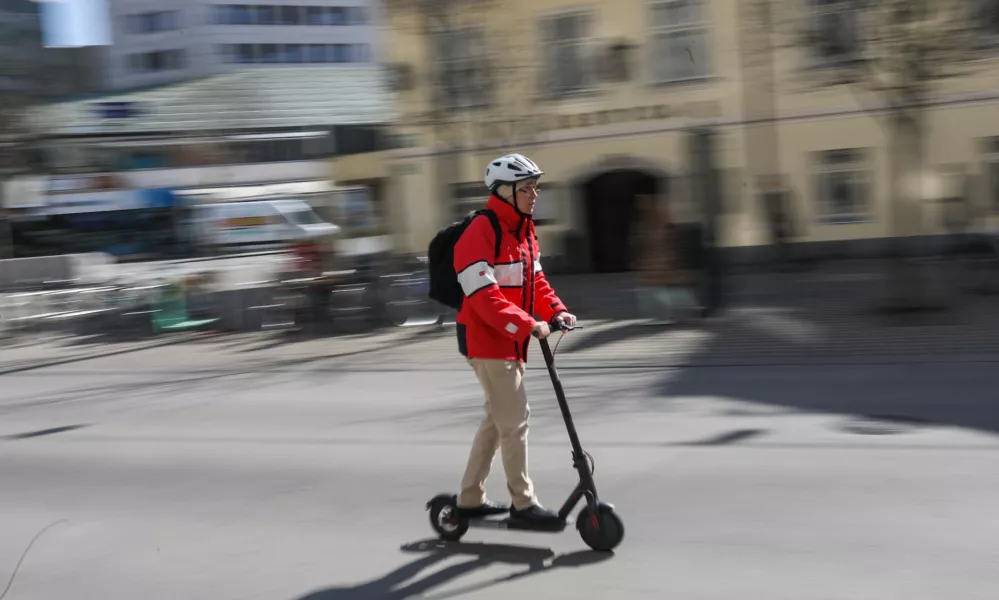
x=516 y=345
x=528 y=296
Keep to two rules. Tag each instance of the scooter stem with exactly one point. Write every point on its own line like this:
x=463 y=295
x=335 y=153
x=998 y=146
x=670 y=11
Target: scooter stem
x=577 y=449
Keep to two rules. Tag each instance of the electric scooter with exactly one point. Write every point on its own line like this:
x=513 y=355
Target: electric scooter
x=597 y=523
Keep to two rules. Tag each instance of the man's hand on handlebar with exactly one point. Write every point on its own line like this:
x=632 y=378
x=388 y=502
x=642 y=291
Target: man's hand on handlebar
x=567 y=318
x=563 y=322
x=541 y=330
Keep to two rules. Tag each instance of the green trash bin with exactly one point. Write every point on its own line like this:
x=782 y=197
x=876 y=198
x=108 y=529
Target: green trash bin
x=170 y=311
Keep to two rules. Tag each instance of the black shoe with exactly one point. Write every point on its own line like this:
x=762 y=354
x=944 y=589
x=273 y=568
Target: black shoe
x=535 y=515
x=486 y=509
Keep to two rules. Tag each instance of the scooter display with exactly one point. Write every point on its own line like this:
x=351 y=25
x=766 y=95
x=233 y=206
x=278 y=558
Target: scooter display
x=597 y=523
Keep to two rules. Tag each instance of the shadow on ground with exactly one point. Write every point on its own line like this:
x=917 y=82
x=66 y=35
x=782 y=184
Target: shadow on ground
x=821 y=348
x=873 y=399
x=165 y=387
x=410 y=580
x=404 y=336
x=586 y=340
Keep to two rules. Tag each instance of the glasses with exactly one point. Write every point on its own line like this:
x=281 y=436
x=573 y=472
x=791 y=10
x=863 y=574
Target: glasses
x=530 y=189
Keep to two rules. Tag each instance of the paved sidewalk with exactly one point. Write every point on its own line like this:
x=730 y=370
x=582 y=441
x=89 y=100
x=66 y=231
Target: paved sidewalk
x=786 y=318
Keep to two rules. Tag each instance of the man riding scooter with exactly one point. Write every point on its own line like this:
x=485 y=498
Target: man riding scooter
x=494 y=325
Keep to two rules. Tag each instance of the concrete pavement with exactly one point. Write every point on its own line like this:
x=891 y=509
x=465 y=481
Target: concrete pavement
x=305 y=481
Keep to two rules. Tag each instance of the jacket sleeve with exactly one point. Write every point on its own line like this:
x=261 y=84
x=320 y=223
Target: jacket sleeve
x=546 y=303
x=474 y=255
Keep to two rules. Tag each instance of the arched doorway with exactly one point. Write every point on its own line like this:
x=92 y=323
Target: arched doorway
x=610 y=208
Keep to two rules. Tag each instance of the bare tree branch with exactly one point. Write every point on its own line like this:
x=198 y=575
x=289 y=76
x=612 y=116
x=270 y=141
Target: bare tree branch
x=897 y=49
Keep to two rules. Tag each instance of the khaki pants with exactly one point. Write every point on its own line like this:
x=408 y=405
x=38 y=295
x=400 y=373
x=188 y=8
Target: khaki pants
x=505 y=428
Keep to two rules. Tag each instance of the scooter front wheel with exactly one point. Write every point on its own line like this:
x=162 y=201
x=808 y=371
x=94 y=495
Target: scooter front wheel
x=601 y=532
x=444 y=520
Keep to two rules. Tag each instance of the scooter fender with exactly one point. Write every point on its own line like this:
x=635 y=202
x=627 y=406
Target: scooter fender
x=601 y=506
x=443 y=499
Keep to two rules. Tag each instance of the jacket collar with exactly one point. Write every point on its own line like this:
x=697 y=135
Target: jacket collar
x=508 y=216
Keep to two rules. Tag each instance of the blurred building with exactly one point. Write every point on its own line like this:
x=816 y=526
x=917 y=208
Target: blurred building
x=251 y=135
x=31 y=74
x=75 y=71
x=155 y=42
x=22 y=63
x=20 y=47
x=606 y=97
x=259 y=116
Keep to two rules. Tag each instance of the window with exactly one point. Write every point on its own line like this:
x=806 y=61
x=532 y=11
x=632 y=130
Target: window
x=842 y=185
x=362 y=53
x=291 y=15
x=266 y=15
x=246 y=53
x=346 y=53
x=269 y=53
x=243 y=14
x=303 y=217
x=153 y=62
x=152 y=22
x=240 y=14
x=357 y=15
x=167 y=60
x=337 y=16
x=679 y=48
x=567 y=67
x=316 y=53
x=315 y=15
x=169 y=20
x=834 y=28
x=462 y=70
x=293 y=53
x=992 y=172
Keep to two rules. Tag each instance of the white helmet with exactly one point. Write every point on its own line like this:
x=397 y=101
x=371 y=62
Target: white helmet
x=510 y=169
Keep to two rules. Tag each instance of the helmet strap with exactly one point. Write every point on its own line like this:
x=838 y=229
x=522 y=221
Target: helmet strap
x=513 y=199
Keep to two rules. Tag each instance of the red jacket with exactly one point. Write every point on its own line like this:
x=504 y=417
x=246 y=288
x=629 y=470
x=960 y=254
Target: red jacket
x=495 y=319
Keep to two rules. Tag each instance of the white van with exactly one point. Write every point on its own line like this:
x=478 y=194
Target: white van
x=258 y=224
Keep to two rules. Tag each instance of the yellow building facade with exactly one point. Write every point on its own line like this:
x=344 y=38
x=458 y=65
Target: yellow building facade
x=604 y=95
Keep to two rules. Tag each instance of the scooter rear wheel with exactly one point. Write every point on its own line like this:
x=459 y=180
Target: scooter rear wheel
x=444 y=521
x=601 y=532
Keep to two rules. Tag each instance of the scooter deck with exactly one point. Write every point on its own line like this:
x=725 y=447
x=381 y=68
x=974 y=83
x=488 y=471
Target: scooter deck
x=517 y=524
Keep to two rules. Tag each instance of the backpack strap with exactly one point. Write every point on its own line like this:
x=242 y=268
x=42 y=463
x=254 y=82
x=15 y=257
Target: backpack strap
x=496 y=228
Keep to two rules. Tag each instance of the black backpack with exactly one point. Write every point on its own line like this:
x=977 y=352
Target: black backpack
x=444 y=286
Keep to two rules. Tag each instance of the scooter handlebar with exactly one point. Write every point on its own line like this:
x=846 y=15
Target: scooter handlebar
x=557 y=324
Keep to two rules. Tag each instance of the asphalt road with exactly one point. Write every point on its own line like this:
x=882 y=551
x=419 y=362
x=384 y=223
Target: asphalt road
x=309 y=482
